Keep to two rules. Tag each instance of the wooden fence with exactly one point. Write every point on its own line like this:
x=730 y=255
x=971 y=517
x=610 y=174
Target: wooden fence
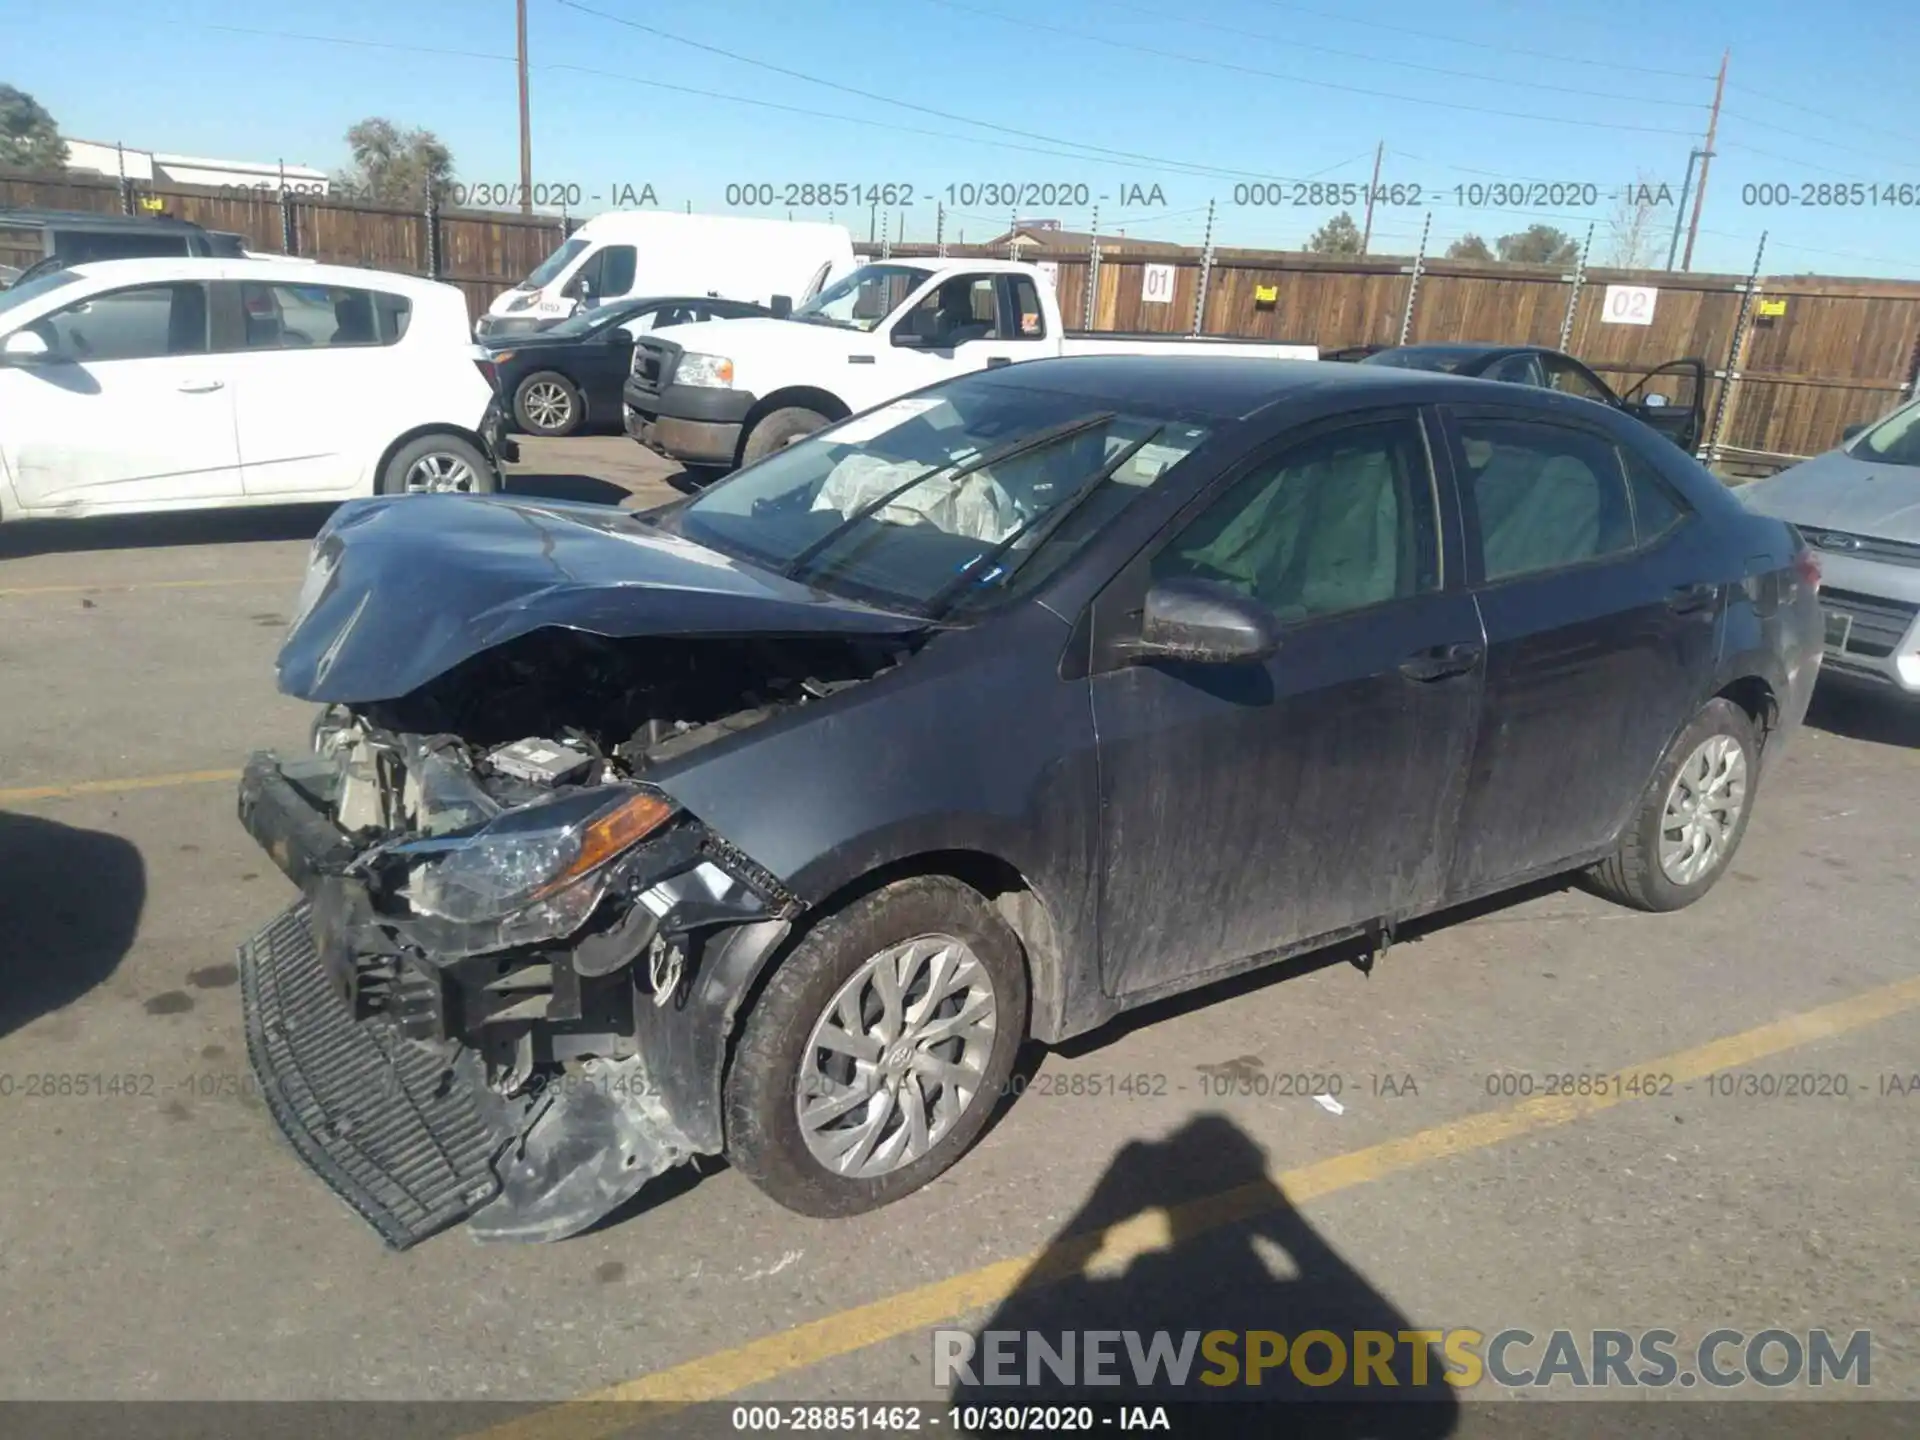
x=1785 y=377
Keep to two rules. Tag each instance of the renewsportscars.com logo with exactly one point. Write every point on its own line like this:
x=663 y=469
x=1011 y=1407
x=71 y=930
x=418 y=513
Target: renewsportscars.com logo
x=1378 y=1359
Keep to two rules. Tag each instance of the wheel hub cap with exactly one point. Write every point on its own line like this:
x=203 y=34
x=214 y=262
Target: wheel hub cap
x=437 y=473
x=896 y=1058
x=547 y=406
x=1703 y=809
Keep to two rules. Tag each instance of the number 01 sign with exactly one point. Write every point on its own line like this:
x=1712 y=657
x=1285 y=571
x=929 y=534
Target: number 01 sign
x=1628 y=305
x=1156 y=285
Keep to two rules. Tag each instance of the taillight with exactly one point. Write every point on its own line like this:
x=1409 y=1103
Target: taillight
x=487 y=370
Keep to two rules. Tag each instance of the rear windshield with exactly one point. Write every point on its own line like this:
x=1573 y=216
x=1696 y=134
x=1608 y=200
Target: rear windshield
x=1419 y=357
x=947 y=500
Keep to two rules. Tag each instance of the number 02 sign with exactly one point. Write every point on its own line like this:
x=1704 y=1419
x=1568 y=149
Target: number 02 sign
x=1628 y=305
x=1156 y=285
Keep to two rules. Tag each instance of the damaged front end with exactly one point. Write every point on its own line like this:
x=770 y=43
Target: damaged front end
x=472 y=1012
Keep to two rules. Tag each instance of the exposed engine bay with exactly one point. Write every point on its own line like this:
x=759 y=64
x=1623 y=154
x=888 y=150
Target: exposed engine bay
x=493 y=883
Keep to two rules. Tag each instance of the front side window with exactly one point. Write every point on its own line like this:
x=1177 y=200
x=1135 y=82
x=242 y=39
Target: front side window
x=960 y=310
x=957 y=498
x=618 y=264
x=139 y=323
x=1339 y=523
x=1544 y=496
x=290 y=317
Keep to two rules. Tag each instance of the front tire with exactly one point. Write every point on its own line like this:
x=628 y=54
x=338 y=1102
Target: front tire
x=878 y=1050
x=436 y=465
x=547 y=403
x=1692 y=817
x=778 y=429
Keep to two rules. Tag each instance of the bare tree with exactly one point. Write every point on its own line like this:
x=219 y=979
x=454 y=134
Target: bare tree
x=395 y=165
x=1641 y=215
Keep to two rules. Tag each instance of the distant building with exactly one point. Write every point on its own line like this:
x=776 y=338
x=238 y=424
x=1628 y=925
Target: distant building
x=155 y=168
x=1036 y=241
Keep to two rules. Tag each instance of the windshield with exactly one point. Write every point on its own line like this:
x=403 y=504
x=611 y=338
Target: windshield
x=1418 y=357
x=1894 y=441
x=33 y=288
x=547 y=269
x=953 y=498
x=589 y=322
x=863 y=299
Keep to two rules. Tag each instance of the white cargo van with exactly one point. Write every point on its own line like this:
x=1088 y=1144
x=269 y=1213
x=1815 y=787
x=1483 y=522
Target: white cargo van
x=632 y=253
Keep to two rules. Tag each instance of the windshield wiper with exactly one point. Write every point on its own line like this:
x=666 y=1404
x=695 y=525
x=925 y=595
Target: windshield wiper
x=1039 y=440
x=1047 y=521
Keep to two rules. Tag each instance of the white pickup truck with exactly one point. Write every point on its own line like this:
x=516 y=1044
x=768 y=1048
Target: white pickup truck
x=726 y=392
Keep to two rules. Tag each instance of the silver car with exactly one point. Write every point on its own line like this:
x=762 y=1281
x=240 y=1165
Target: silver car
x=1859 y=507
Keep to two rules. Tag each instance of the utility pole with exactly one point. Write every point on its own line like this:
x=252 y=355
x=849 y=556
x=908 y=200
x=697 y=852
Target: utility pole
x=1680 y=210
x=526 y=121
x=1706 y=161
x=1366 y=235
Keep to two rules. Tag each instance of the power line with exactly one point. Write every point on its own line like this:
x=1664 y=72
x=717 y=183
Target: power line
x=1296 y=79
x=1817 y=140
x=1483 y=44
x=855 y=90
x=1184 y=167
x=1294 y=42
x=1825 y=115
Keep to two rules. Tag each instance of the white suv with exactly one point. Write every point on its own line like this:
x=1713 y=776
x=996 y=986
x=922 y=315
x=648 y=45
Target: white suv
x=178 y=384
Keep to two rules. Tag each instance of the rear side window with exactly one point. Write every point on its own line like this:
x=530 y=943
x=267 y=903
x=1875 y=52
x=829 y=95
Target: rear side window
x=1518 y=370
x=1545 y=497
x=299 y=317
x=1027 y=320
x=1337 y=523
x=143 y=322
x=1656 y=509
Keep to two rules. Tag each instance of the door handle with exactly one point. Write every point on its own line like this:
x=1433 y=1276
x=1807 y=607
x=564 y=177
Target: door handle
x=1442 y=661
x=202 y=387
x=1683 y=599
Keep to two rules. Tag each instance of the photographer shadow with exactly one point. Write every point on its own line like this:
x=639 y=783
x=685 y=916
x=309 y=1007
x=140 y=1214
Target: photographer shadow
x=1189 y=1235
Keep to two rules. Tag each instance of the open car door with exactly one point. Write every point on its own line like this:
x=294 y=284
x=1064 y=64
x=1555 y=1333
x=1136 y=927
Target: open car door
x=1671 y=399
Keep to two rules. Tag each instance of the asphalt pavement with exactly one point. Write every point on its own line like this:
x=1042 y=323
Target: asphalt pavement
x=158 y=1241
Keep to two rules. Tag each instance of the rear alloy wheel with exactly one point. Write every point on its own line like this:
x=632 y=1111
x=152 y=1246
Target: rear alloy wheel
x=547 y=404
x=1692 y=817
x=437 y=465
x=878 y=1050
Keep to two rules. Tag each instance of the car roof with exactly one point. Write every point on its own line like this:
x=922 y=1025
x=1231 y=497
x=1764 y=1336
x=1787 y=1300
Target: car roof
x=300 y=272
x=31 y=218
x=1466 y=349
x=1233 y=387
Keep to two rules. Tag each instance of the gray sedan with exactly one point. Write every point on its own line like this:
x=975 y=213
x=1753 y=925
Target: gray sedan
x=1859 y=506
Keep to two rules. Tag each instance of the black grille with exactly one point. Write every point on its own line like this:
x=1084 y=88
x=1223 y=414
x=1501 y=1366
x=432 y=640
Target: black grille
x=393 y=1131
x=1878 y=625
x=654 y=362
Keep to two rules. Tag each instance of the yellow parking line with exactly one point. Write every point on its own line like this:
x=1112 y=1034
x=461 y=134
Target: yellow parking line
x=111 y=787
x=714 y=1376
x=15 y=590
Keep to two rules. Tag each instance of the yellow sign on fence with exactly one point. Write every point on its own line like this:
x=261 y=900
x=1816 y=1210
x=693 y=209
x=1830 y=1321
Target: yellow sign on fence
x=1771 y=309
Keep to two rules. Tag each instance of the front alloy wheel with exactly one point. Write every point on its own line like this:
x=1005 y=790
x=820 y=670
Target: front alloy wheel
x=440 y=472
x=896 y=1058
x=878 y=1048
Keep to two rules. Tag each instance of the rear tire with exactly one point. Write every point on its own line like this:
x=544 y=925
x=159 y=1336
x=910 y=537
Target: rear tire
x=778 y=429
x=438 y=464
x=547 y=403
x=886 y=1124
x=1692 y=818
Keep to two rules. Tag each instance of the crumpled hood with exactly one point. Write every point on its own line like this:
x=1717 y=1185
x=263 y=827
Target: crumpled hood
x=401 y=589
x=1838 y=492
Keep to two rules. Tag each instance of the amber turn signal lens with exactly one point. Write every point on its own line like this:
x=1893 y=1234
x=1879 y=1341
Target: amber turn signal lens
x=608 y=835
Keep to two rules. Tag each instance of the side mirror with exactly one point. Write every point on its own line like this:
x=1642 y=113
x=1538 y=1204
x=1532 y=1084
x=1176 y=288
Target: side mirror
x=782 y=306
x=25 y=347
x=1655 y=402
x=1853 y=433
x=1205 y=623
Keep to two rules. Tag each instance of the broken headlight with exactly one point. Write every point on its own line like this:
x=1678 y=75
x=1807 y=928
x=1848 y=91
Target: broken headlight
x=536 y=872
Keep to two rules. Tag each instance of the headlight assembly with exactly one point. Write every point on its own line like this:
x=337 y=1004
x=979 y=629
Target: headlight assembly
x=712 y=371
x=536 y=872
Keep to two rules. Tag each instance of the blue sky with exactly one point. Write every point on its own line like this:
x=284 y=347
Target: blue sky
x=1483 y=92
